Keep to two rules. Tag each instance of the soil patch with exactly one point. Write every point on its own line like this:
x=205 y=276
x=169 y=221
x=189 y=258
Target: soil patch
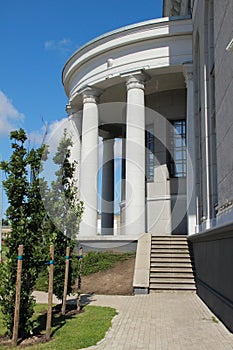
x=115 y=281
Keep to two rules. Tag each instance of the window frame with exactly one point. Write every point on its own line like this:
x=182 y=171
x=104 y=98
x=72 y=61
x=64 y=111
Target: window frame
x=150 y=153
x=177 y=152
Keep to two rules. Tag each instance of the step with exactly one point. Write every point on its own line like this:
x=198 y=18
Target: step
x=177 y=241
x=169 y=243
x=171 y=264
x=170 y=274
x=171 y=280
x=170 y=237
x=170 y=269
x=174 y=287
x=169 y=259
x=168 y=249
x=170 y=246
x=169 y=255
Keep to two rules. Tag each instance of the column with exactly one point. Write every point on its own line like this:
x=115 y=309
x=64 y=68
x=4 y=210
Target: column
x=135 y=156
x=89 y=163
x=207 y=152
x=122 y=203
x=107 y=207
x=190 y=141
x=75 y=120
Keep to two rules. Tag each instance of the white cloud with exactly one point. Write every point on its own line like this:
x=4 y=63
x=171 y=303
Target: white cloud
x=63 y=46
x=49 y=133
x=10 y=117
x=36 y=137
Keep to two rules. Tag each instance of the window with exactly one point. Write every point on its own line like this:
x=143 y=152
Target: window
x=150 y=147
x=178 y=149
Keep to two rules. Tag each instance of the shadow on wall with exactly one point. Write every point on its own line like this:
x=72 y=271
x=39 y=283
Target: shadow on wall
x=213 y=261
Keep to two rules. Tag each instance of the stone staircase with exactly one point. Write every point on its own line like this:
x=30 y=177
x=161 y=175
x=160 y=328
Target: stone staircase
x=170 y=264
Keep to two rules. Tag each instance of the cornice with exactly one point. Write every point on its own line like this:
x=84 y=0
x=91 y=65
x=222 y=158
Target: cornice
x=141 y=32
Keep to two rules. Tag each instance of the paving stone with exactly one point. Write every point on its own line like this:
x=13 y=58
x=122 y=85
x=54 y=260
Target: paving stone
x=162 y=321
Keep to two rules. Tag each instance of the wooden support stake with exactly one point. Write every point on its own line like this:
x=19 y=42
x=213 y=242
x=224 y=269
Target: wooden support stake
x=80 y=254
x=63 y=310
x=17 y=295
x=50 y=294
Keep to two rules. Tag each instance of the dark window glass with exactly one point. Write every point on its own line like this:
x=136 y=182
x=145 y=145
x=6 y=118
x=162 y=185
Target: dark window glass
x=150 y=149
x=178 y=149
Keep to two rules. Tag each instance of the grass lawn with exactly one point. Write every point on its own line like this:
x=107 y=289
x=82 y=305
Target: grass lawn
x=101 y=261
x=72 y=331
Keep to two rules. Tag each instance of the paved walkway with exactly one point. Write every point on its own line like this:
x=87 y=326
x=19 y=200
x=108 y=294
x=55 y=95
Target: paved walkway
x=162 y=321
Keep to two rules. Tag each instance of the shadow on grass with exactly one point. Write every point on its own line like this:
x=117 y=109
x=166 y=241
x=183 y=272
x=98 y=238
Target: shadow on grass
x=59 y=320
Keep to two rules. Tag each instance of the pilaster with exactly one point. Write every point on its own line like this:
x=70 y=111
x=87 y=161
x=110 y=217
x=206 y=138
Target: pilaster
x=191 y=160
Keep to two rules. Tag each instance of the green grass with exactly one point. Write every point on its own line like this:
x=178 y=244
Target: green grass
x=71 y=332
x=101 y=261
x=92 y=262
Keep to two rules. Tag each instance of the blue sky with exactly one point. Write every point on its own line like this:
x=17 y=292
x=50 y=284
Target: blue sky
x=37 y=38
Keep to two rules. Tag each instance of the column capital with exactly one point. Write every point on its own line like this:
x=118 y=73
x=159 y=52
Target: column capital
x=188 y=72
x=90 y=95
x=71 y=110
x=136 y=80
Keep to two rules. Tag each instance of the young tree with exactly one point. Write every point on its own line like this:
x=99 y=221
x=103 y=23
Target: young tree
x=36 y=223
x=25 y=215
x=64 y=213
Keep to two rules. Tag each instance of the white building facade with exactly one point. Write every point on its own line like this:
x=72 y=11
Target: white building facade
x=135 y=84
x=151 y=88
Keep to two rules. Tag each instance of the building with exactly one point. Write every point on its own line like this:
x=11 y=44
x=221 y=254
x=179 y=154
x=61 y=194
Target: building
x=131 y=84
x=164 y=88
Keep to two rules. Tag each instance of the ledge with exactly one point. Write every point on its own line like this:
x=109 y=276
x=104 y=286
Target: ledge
x=215 y=233
x=110 y=238
x=141 y=278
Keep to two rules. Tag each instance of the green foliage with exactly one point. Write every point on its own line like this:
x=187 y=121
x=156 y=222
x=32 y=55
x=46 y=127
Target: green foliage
x=100 y=261
x=25 y=214
x=42 y=282
x=38 y=216
x=3 y=252
x=59 y=272
x=64 y=214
